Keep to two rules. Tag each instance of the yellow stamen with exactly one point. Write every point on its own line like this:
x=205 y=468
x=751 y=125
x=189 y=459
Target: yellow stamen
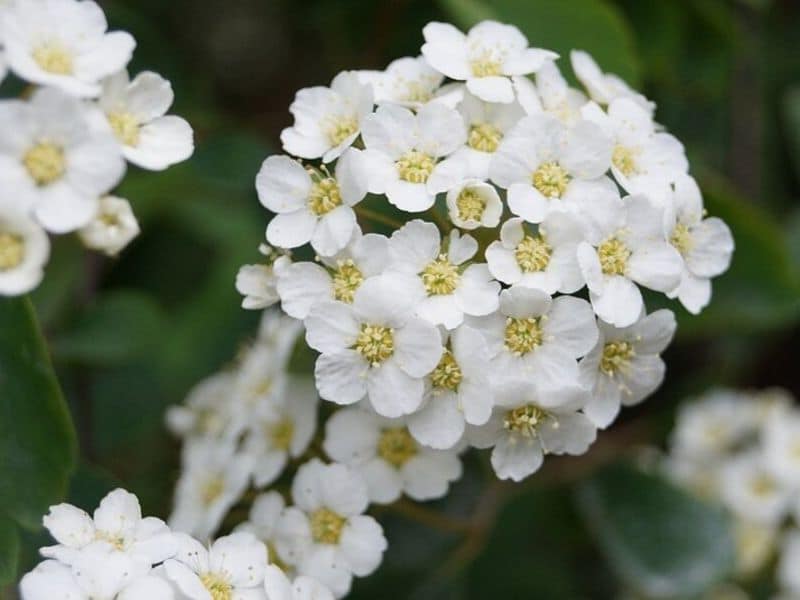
x=326 y=526
x=12 y=251
x=523 y=335
x=533 y=254
x=375 y=343
x=45 y=163
x=484 y=137
x=396 y=446
x=440 y=277
x=551 y=179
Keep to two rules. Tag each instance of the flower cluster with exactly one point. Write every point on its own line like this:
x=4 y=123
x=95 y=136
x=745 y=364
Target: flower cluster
x=65 y=144
x=742 y=449
x=117 y=554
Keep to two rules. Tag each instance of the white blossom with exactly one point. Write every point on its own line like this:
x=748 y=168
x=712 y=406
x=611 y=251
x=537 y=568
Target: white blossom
x=112 y=228
x=24 y=250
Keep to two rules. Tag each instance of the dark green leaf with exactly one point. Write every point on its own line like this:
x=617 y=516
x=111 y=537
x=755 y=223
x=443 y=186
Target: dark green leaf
x=9 y=550
x=791 y=118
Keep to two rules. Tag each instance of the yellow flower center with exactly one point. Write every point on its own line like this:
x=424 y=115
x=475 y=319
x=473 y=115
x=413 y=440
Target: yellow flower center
x=533 y=254
x=125 y=127
x=415 y=167
x=12 y=251
x=281 y=434
x=470 y=205
x=762 y=485
x=681 y=239
x=440 y=277
x=616 y=357
x=484 y=137
x=624 y=159
x=115 y=540
x=324 y=196
x=346 y=279
x=486 y=66
x=217 y=586
x=53 y=57
x=614 y=255
x=375 y=343
x=447 y=374
x=340 y=129
x=326 y=526
x=551 y=179
x=396 y=446
x=525 y=420
x=45 y=163
x=212 y=489
x=417 y=92
x=523 y=335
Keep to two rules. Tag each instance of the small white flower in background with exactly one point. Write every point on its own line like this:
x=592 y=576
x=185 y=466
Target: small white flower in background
x=258 y=283
x=262 y=522
x=624 y=367
x=232 y=567
x=205 y=412
x=474 y=203
x=136 y=113
x=391 y=461
x=409 y=82
x=24 y=250
x=445 y=289
x=528 y=424
x=312 y=205
x=326 y=535
x=327 y=120
x=279 y=587
x=374 y=347
x=555 y=97
x=113 y=227
x=63 y=44
x=303 y=284
x=751 y=491
x=788 y=571
x=57 y=167
x=280 y=332
x=628 y=248
x=755 y=545
x=781 y=439
x=603 y=88
x=546 y=260
x=546 y=166
x=485 y=57
x=404 y=153
x=261 y=380
x=706 y=244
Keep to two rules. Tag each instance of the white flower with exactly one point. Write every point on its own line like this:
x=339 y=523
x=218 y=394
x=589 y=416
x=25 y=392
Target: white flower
x=278 y=587
x=485 y=57
x=781 y=443
x=213 y=478
x=604 y=87
x=627 y=248
x=751 y=492
x=261 y=380
x=527 y=424
x=56 y=166
x=404 y=152
x=706 y=245
x=280 y=332
x=546 y=260
x=258 y=283
x=113 y=227
x=303 y=284
x=444 y=290
x=136 y=113
x=409 y=82
x=117 y=523
x=459 y=392
x=233 y=567
x=788 y=571
x=262 y=522
x=327 y=120
x=326 y=535
x=536 y=338
x=312 y=205
x=474 y=203
x=624 y=367
x=555 y=96
x=755 y=545
x=276 y=431
x=374 y=346
x=24 y=250
x=206 y=411
x=63 y=44
x=391 y=461
x=546 y=166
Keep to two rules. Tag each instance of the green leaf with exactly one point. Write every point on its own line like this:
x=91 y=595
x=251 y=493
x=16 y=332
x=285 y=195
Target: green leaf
x=37 y=440
x=9 y=550
x=658 y=539
x=591 y=25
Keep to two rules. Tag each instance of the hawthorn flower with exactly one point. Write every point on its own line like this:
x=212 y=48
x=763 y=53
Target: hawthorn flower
x=258 y=283
x=205 y=412
x=409 y=82
x=57 y=167
x=706 y=244
x=781 y=443
x=459 y=392
x=405 y=151
x=624 y=367
x=751 y=491
x=338 y=277
x=546 y=260
x=327 y=120
x=312 y=205
x=263 y=519
x=278 y=586
x=546 y=166
x=555 y=97
x=24 y=250
x=232 y=567
x=113 y=227
x=325 y=534
x=485 y=57
x=604 y=87
x=63 y=44
x=136 y=113
x=474 y=203
x=444 y=290
x=527 y=424
x=374 y=347
x=534 y=337
x=391 y=461
x=628 y=248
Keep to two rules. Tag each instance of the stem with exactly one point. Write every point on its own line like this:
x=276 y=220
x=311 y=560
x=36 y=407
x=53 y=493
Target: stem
x=429 y=517
x=378 y=217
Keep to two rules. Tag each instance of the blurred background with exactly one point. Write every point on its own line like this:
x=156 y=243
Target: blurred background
x=130 y=336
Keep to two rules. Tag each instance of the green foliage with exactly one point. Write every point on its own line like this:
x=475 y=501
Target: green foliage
x=9 y=549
